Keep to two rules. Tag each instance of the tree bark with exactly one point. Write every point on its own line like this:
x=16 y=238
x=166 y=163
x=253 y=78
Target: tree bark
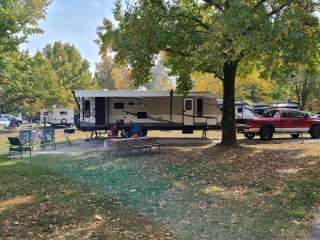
x=229 y=137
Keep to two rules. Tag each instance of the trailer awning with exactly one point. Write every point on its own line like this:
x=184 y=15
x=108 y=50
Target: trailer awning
x=134 y=93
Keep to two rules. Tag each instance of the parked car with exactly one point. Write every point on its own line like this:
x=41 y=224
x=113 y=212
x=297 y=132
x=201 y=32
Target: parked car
x=14 y=121
x=4 y=122
x=282 y=120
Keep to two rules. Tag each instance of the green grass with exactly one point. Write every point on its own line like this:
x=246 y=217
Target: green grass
x=264 y=191
x=36 y=203
x=199 y=198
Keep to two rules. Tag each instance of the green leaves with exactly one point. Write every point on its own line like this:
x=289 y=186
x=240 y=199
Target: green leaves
x=198 y=37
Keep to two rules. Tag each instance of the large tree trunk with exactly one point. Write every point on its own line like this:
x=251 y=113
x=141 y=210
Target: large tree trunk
x=229 y=137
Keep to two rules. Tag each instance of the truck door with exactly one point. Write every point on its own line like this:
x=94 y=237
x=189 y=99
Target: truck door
x=294 y=121
x=188 y=114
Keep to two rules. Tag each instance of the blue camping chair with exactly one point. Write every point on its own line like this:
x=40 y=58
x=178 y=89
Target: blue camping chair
x=25 y=137
x=48 y=138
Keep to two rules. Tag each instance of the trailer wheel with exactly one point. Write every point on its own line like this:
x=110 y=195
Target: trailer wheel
x=295 y=135
x=266 y=133
x=249 y=135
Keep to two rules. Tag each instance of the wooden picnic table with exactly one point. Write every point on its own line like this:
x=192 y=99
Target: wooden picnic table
x=127 y=145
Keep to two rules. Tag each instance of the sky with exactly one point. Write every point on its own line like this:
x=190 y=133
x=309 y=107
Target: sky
x=73 y=21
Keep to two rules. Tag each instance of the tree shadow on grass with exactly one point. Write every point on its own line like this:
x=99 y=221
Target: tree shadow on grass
x=248 y=192
x=36 y=204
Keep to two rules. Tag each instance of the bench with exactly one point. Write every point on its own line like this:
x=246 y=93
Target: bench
x=146 y=148
x=17 y=146
x=127 y=146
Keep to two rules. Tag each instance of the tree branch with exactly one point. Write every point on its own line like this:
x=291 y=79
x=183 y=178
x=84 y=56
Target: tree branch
x=217 y=75
x=175 y=51
x=202 y=24
x=214 y=4
x=275 y=11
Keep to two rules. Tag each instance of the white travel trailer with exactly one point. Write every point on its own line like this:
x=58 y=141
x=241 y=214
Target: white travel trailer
x=153 y=110
x=57 y=116
x=242 y=111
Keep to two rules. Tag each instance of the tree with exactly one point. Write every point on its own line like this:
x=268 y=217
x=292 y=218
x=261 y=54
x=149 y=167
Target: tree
x=71 y=69
x=30 y=84
x=213 y=37
x=254 y=88
x=109 y=75
x=207 y=82
x=18 y=19
x=103 y=74
x=160 y=79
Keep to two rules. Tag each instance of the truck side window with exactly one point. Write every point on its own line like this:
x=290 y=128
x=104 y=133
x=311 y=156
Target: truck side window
x=87 y=108
x=200 y=107
x=296 y=114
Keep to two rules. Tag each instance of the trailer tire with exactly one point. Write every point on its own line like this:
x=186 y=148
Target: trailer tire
x=315 y=132
x=249 y=135
x=266 y=133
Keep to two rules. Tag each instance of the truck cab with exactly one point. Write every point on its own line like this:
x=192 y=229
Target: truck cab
x=282 y=120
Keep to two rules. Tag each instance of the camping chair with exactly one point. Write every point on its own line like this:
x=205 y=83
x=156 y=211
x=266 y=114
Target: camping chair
x=17 y=146
x=25 y=137
x=67 y=133
x=48 y=138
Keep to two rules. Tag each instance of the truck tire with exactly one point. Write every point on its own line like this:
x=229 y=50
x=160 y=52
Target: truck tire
x=266 y=133
x=295 y=135
x=249 y=135
x=315 y=132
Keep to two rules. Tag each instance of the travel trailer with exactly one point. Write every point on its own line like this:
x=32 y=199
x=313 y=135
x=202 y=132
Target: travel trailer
x=153 y=110
x=259 y=108
x=242 y=110
x=57 y=116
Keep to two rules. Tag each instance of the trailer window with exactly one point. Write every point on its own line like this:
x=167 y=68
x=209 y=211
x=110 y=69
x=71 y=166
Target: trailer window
x=87 y=108
x=142 y=115
x=63 y=113
x=45 y=114
x=200 y=107
x=118 y=105
x=188 y=105
x=240 y=109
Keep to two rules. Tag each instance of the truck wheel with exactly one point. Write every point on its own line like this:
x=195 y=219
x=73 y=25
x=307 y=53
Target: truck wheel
x=249 y=135
x=315 y=132
x=295 y=135
x=266 y=133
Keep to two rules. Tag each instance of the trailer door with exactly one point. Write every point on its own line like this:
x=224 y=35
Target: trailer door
x=100 y=111
x=188 y=116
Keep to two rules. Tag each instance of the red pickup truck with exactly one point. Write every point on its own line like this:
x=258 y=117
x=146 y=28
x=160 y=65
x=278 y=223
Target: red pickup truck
x=282 y=120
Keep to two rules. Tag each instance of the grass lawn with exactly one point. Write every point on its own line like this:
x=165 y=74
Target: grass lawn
x=257 y=191
x=36 y=203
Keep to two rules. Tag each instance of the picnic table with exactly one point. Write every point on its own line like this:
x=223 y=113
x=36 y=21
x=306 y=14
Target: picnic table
x=125 y=146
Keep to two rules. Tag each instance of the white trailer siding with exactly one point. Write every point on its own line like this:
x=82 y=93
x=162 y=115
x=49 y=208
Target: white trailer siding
x=150 y=108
